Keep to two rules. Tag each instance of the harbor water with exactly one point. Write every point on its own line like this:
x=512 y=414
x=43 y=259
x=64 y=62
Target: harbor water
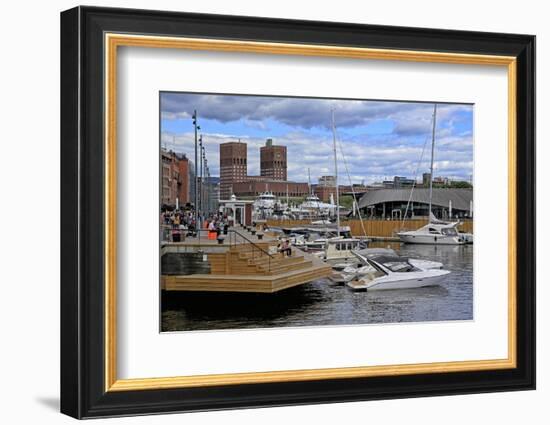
x=322 y=303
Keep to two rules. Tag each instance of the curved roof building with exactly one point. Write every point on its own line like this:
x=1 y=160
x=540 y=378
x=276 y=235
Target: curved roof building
x=460 y=198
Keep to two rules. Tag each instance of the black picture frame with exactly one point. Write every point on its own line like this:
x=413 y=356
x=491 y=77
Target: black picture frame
x=83 y=392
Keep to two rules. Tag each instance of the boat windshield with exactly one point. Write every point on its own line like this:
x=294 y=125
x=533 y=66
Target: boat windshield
x=376 y=266
x=395 y=264
x=449 y=231
x=399 y=267
x=347 y=245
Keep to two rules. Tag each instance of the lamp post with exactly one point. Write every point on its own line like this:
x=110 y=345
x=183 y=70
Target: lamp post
x=211 y=199
x=206 y=186
x=201 y=176
x=196 y=195
x=203 y=196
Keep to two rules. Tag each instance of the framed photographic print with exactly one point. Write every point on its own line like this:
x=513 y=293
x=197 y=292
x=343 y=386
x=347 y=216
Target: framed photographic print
x=261 y=212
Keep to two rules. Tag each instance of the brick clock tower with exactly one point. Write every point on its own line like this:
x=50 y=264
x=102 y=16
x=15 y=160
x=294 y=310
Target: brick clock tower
x=273 y=161
x=233 y=167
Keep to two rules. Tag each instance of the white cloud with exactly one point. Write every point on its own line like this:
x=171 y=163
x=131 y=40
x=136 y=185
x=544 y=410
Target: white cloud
x=368 y=162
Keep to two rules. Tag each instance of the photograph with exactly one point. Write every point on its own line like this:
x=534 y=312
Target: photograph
x=282 y=211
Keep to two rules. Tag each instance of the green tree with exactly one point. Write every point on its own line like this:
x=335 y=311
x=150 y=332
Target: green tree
x=460 y=184
x=346 y=201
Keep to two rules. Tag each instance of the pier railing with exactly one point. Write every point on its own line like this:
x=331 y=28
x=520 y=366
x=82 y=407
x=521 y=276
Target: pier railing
x=233 y=238
x=256 y=250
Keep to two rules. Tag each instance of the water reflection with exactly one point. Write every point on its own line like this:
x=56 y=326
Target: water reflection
x=322 y=303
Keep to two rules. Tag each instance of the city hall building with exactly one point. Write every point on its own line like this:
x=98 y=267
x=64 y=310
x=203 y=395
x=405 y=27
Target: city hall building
x=234 y=178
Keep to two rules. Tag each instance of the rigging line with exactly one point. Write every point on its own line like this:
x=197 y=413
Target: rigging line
x=351 y=184
x=414 y=182
x=310 y=188
x=311 y=194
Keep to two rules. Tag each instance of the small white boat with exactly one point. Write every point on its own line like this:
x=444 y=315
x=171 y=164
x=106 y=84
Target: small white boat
x=312 y=242
x=317 y=245
x=321 y=222
x=296 y=239
x=393 y=272
x=338 y=251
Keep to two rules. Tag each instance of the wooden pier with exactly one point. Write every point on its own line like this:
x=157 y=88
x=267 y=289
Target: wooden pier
x=248 y=265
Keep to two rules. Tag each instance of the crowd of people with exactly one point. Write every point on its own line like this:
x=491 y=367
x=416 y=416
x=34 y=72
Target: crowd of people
x=178 y=224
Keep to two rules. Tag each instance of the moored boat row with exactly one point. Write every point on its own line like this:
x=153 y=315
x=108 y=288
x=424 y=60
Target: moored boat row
x=363 y=268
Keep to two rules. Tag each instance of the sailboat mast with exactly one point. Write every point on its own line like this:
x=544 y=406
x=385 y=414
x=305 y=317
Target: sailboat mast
x=287 y=194
x=432 y=164
x=336 y=177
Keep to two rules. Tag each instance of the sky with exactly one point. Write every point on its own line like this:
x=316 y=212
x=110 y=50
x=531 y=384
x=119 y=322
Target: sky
x=376 y=140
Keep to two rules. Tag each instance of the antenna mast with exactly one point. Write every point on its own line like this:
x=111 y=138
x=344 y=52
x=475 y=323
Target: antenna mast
x=432 y=164
x=336 y=176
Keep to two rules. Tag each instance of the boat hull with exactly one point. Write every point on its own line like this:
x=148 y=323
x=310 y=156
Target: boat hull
x=468 y=237
x=430 y=239
x=406 y=282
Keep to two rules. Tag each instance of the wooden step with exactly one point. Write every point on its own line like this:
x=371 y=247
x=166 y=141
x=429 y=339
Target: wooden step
x=279 y=260
x=246 y=253
x=286 y=267
x=250 y=256
x=282 y=270
x=276 y=260
x=244 y=283
x=247 y=246
x=248 y=270
x=249 y=253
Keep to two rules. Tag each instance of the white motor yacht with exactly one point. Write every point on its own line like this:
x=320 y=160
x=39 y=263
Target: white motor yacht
x=434 y=233
x=417 y=262
x=351 y=271
x=263 y=205
x=393 y=272
x=313 y=204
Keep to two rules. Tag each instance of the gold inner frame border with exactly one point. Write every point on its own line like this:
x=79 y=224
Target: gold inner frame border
x=112 y=41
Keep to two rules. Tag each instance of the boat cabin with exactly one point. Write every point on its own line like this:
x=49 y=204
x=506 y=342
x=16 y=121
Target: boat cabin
x=341 y=248
x=442 y=230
